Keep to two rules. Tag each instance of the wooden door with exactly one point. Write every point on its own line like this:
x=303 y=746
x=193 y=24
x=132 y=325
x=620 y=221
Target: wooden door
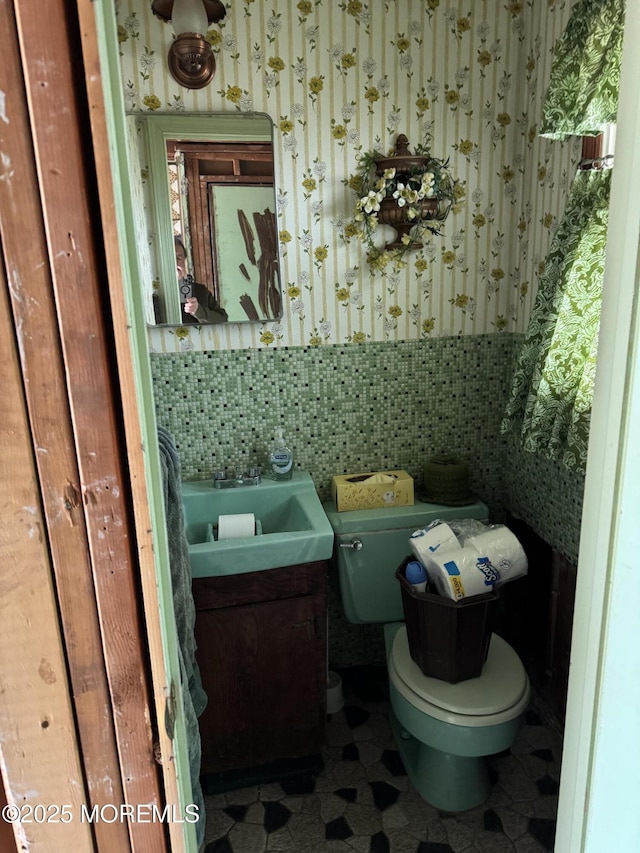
x=72 y=459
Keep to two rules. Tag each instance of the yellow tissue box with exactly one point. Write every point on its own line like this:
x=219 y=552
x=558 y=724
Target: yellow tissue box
x=372 y=491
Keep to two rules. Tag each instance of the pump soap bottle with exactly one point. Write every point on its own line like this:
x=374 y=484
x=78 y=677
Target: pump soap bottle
x=281 y=459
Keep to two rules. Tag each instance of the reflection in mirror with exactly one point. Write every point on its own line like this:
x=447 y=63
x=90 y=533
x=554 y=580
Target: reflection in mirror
x=213 y=188
x=199 y=305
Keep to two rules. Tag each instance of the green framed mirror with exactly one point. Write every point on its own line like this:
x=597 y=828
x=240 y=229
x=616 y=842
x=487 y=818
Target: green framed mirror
x=213 y=194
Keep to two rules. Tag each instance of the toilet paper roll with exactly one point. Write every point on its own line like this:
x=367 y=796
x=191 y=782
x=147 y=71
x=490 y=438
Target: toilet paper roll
x=236 y=526
x=463 y=573
x=503 y=550
x=429 y=541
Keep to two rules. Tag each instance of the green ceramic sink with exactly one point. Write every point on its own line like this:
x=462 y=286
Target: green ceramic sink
x=291 y=525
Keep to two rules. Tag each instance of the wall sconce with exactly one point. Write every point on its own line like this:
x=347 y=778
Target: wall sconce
x=190 y=59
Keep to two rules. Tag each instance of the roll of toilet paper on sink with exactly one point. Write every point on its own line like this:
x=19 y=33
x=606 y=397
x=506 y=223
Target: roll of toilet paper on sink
x=503 y=550
x=429 y=541
x=462 y=573
x=236 y=526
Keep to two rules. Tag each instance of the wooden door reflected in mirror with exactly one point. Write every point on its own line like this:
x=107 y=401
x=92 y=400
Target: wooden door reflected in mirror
x=213 y=185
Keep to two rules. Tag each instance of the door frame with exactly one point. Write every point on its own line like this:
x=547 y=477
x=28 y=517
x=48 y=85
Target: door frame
x=100 y=39
x=599 y=784
x=585 y=807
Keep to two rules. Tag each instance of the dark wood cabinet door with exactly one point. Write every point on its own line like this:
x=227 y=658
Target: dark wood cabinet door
x=263 y=670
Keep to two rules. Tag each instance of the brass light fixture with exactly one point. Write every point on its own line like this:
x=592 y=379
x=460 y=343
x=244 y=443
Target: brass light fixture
x=190 y=59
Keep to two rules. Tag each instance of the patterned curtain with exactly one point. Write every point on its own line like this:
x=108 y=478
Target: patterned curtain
x=549 y=408
x=550 y=403
x=583 y=91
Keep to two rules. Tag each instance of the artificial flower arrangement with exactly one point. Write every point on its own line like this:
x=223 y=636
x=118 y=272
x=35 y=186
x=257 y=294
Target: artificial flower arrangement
x=413 y=193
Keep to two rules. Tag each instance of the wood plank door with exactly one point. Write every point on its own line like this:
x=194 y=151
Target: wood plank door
x=75 y=421
x=40 y=754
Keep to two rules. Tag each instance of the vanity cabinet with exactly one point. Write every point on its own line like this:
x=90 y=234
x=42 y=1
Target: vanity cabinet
x=262 y=644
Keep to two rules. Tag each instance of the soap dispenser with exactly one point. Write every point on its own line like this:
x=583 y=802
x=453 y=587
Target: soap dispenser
x=281 y=459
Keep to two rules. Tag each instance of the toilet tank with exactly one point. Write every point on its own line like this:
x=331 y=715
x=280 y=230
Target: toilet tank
x=370 y=545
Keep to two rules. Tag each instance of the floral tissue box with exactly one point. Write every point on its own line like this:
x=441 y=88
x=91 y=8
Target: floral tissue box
x=372 y=491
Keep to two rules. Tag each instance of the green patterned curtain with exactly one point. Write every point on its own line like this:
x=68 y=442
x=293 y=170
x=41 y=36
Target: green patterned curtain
x=583 y=91
x=550 y=404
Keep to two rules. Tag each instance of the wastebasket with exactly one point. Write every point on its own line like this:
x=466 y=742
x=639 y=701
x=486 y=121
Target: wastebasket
x=447 y=639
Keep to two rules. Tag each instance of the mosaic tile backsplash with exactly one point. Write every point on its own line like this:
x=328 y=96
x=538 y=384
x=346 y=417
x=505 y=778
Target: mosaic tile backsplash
x=547 y=496
x=343 y=409
x=349 y=409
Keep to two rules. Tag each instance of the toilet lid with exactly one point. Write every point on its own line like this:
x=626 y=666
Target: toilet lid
x=501 y=685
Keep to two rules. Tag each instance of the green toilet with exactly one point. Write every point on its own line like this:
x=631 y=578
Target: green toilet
x=443 y=731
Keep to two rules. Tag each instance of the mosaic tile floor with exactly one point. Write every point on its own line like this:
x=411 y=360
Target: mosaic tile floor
x=362 y=801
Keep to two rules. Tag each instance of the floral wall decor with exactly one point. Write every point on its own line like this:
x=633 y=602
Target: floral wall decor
x=342 y=77
x=410 y=192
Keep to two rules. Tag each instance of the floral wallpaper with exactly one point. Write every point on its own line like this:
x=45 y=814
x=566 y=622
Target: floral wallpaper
x=342 y=77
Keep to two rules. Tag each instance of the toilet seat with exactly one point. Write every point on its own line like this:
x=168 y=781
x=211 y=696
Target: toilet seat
x=499 y=694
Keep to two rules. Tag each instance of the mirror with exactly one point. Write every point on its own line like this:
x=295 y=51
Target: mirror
x=212 y=185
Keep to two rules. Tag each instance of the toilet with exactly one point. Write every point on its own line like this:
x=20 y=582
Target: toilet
x=443 y=731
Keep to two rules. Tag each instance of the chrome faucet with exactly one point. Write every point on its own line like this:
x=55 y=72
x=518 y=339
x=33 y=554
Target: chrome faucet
x=223 y=479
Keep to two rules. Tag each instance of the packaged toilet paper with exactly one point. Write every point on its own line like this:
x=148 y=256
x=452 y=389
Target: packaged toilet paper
x=462 y=573
x=502 y=549
x=465 y=528
x=437 y=538
x=468 y=557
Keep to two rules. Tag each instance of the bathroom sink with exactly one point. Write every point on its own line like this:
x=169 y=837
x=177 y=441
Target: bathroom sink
x=290 y=520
